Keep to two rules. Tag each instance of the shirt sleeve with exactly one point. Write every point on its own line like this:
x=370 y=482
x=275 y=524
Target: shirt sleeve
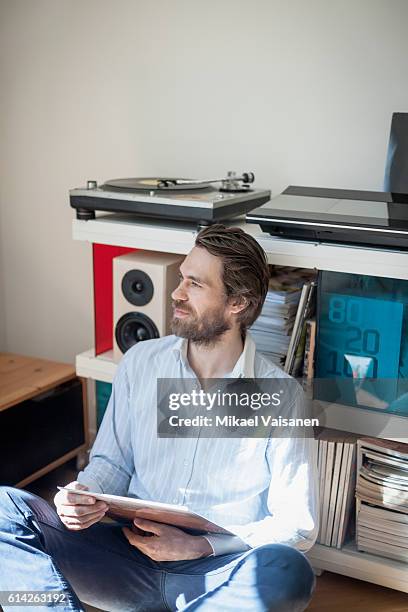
x=224 y=544
x=111 y=463
x=292 y=508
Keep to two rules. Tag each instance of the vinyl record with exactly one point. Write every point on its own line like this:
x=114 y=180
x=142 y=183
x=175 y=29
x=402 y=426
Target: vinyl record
x=149 y=184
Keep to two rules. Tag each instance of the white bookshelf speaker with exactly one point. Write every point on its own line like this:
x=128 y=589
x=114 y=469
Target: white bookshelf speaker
x=142 y=285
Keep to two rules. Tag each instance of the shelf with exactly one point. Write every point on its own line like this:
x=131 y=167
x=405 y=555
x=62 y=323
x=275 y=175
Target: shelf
x=101 y=367
x=176 y=237
x=361 y=421
x=124 y=230
x=364 y=566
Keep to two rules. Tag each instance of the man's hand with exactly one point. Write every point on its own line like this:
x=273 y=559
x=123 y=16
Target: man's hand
x=77 y=511
x=167 y=543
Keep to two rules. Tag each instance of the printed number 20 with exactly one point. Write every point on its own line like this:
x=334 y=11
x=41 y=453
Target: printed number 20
x=367 y=341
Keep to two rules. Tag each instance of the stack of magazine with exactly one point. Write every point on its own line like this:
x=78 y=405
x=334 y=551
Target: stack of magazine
x=382 y=498
x=337 y=468
x=273 y=330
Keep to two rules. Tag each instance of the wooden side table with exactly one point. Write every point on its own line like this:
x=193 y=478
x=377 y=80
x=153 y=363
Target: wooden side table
x=43 y=417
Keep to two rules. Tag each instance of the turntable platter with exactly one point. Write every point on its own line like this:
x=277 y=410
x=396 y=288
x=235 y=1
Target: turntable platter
x=151 y=184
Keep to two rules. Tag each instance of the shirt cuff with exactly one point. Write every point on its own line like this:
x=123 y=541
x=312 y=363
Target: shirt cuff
x=224 y=544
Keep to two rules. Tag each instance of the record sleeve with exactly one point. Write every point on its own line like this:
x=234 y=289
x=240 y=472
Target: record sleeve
x=132 y=507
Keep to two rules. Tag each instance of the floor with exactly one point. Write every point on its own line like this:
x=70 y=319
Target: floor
x=333 y=593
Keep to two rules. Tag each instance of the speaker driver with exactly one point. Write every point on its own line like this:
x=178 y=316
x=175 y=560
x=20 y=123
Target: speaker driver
x=134 y=327
x=137 y=287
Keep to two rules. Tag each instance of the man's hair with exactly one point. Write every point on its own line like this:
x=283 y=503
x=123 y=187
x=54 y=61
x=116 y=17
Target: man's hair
x=245 y=267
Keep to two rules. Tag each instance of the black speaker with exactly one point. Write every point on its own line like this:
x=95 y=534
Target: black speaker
x=396 y=169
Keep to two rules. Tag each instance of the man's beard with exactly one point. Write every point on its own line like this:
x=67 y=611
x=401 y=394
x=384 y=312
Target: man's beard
x=205 y=330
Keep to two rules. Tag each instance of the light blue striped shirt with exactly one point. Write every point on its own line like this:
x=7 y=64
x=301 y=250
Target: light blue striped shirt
x=264 y=490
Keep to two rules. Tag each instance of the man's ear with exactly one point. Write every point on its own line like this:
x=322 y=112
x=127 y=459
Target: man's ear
x=238 y=304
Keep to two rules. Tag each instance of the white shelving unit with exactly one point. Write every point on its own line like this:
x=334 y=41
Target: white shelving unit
x=174 y=237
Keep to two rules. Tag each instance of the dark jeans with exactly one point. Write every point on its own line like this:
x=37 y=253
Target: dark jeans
x=98 y=566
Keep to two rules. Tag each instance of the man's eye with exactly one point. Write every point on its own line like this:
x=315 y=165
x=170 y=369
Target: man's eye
x=195 y=284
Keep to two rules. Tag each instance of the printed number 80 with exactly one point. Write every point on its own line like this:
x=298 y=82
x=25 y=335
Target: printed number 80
x=342 y=310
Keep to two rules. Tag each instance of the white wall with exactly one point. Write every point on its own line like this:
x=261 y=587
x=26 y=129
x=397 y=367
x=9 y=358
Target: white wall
x=2 y=299
x=299 y=92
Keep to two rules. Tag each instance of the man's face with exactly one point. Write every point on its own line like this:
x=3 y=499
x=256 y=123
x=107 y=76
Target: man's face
x=201 y=311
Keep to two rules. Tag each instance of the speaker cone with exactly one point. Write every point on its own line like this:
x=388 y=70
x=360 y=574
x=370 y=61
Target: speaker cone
x=137 y=287
x=134 y=327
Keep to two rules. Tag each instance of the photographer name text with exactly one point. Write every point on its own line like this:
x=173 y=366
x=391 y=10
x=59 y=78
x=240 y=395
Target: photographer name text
x=233 y=421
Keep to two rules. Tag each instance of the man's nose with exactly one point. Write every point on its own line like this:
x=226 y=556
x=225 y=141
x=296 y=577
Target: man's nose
x=179 y=293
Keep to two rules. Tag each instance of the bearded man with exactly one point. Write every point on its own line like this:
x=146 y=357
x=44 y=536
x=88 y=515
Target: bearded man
x=263 y=490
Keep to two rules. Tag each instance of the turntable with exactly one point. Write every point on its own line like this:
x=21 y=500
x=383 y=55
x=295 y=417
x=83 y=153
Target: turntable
x=171 y=198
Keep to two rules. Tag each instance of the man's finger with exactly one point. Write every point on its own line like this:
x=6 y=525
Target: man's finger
x=75 y=485
x=146 y=525
x=65 y=498
x=85 y=515
x=72 y=498
x=139 y=541
x=68 y=520
x=75 y=511
x=78 y=526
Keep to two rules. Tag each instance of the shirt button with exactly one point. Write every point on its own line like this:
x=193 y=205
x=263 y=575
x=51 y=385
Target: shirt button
x=185 y=462
x=175 y=500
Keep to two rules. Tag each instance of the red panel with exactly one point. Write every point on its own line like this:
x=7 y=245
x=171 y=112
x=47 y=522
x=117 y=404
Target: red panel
x=103 y=293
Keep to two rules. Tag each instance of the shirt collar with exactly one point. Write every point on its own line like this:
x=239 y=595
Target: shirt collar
x=244 y=367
